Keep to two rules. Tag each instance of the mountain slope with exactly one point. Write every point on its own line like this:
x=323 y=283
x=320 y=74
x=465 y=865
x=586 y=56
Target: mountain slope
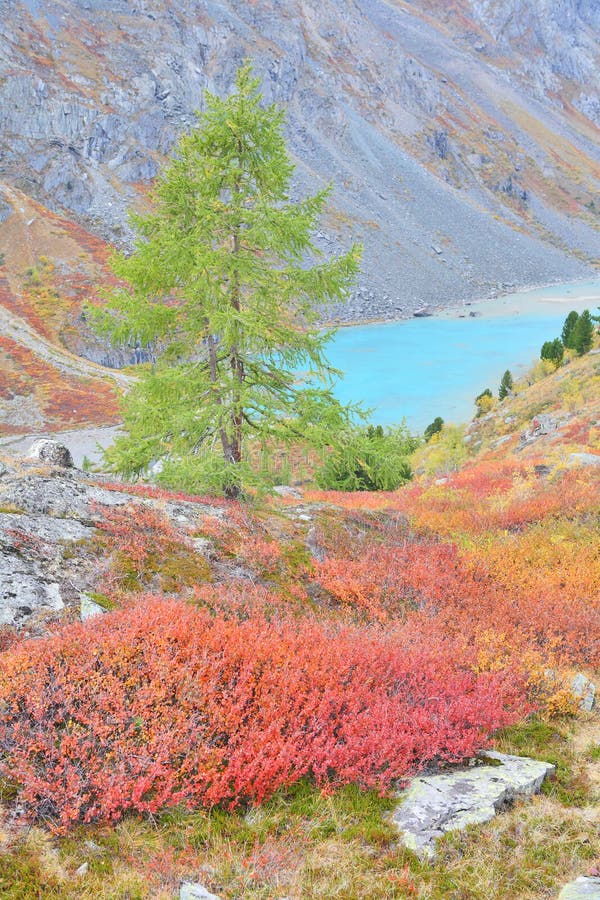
x=462 y=138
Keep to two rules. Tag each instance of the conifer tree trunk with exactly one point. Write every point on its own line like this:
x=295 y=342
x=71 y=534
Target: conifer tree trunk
x=237 y=365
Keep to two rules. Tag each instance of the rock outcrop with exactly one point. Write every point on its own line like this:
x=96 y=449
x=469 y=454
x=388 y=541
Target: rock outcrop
x=48 y=517
x=436 y=804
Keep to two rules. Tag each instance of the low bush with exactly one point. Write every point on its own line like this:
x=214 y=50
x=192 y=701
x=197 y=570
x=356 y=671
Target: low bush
x=163 y=704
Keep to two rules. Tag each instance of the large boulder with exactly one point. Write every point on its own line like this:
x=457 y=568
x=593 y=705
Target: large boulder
x=51 y=453
x=435 y=804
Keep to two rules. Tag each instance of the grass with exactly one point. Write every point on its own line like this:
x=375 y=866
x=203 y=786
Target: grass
x=303 y=844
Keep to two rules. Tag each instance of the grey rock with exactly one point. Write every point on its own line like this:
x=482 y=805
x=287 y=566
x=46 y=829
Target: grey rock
x=284 y=490
x=583 y=459
x=89 y=608
x=540 y=425
x=52 y=453
x=43 y=528
x=582 y=687
x=194 y=891
x=24 y=589
x=82 y=870
x=435 y=804
x=583 y=888
x=67 y=496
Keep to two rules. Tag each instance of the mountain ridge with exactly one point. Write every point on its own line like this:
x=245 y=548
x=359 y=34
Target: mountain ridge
x=461 y=139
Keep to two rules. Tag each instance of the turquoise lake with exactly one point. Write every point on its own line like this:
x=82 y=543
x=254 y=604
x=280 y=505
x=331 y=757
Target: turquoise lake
x=421 y=368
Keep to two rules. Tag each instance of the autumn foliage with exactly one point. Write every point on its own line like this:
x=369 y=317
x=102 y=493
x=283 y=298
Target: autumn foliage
x=162 y=704
x=357 y=643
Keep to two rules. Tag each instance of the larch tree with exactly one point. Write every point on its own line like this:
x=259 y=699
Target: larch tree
x=224 y=281
x=569 y=328
x=506 y=385
x=582 y=337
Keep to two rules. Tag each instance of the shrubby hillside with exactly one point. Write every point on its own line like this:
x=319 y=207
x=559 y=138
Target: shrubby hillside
x=259 y=678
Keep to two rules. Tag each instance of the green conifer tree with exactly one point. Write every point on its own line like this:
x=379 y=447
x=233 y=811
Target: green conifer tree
x=553 y=351
x=219 y=282
x=506 y=385
x=568 y=328
x=582 y=336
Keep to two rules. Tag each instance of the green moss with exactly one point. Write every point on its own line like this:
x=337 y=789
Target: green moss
x=102 y=600
x=297 y=557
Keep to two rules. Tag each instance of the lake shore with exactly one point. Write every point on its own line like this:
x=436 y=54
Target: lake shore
x=494 y=305
x=420 y=367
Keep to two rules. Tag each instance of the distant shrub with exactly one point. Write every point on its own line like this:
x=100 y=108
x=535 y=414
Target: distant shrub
x=541 y=370
x=484 y=402
x=446 y=452
x=163 y=704
x=433 y=428
x=371 y=459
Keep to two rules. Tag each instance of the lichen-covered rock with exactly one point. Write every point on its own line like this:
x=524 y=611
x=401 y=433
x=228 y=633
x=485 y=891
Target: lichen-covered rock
x=582 y=687
x=435 y=804
x=67 y=494
x=583 y=888
x=52 y=453
x=25 y=589
x=189 y=891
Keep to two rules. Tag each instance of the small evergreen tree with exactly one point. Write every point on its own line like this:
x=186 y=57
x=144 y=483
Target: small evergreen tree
x=582 y=336
x=506 y=385
x=218 y=280
x=568 y=328
x=433 y=428
x=553 y=351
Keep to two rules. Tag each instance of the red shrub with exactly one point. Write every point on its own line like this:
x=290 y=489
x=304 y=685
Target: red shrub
x=162 y=704
x=386 y=580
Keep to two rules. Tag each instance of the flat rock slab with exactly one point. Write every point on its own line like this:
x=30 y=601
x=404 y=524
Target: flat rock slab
x=583 y=888
x=193 y=891
x=435 y=804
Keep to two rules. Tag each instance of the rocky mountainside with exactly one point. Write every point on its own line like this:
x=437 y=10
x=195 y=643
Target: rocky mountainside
x=461 y=137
